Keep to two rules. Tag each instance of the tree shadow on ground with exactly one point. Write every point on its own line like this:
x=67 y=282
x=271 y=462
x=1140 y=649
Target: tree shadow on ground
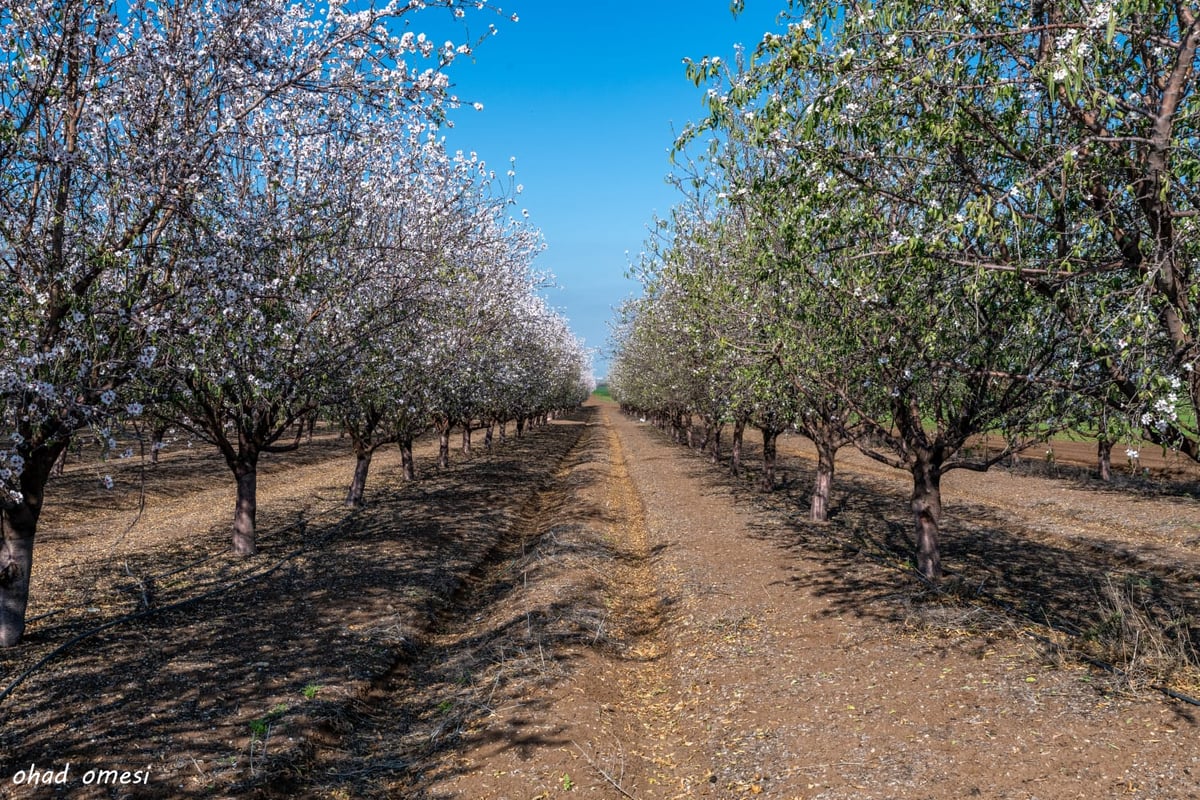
x=226 y=676
x=1000 y=575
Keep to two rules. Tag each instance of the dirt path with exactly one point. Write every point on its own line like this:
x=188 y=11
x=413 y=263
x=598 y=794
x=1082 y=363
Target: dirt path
x=763 y=669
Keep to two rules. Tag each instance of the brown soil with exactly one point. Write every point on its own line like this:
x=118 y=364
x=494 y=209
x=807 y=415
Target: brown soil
x=592 y=610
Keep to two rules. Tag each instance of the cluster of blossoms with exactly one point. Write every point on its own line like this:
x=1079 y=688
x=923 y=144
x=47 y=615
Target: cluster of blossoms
x=306 y=124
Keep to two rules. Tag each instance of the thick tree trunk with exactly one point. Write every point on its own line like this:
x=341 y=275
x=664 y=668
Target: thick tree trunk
x=768 y=473
x=17 y=528
x=819 y=511
x=520 y=427
x=735 y=459
x=487 y=436
x=503 y=426
x=927 y=515
x=246 y=511
x=1104 y=457
x=466 y=438
x=407 y=466
x=358 y=484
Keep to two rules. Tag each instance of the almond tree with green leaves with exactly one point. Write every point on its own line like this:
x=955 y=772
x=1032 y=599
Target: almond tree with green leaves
x=927 y=352
x=1070 y=130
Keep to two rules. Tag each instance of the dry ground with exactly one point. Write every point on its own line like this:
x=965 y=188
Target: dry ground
x=593 y=611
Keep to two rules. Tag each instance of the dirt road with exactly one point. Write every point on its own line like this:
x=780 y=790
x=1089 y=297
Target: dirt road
x=592 y=611
x=778 y=663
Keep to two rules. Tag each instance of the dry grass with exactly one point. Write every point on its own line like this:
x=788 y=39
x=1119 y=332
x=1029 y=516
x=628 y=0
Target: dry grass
x=1148 y=640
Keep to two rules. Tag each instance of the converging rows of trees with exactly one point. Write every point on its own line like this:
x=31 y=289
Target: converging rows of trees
x=233 y=217
x=912 y=223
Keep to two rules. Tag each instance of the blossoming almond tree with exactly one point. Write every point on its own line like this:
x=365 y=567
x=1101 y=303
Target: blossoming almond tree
x=449 y=262
x=114 y=117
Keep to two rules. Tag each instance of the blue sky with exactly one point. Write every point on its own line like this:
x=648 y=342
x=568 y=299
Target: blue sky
x=586 y=96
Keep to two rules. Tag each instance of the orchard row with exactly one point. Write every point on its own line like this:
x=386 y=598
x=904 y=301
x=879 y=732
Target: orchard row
x=234 y=217
x=911 y=224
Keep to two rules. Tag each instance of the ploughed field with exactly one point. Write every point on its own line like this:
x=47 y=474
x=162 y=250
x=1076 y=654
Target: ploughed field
x=593 y=610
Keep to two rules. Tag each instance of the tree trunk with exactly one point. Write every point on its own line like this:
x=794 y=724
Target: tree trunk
x=739 y=430
x=819 y=511
x=1104 y=457
x=18 y=525
x=466 y=438
x=60 y=463
x=768 y=473
x=714 y=443
x=17 y=528
x=503 y=430
x=520 y=427
x=156 y=441
x=487 y=436
x=407 y=466
x=927 y=515
x=443 y=427
x=244 y=514
x=358 y=484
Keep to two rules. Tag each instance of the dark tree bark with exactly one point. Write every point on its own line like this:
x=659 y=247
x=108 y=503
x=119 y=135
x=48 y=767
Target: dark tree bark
x=407 y=465
x=520 y=426
x=714 y=442
x=443 y=427
x=1104 y=459
x=823 y=487
x=60 y=463
x=156 y=441
x=769 y=435
x=735 y=459
x=358 y=484
x=487 y=436
x=246 y=511
x=18 y=528
x=927 y=513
